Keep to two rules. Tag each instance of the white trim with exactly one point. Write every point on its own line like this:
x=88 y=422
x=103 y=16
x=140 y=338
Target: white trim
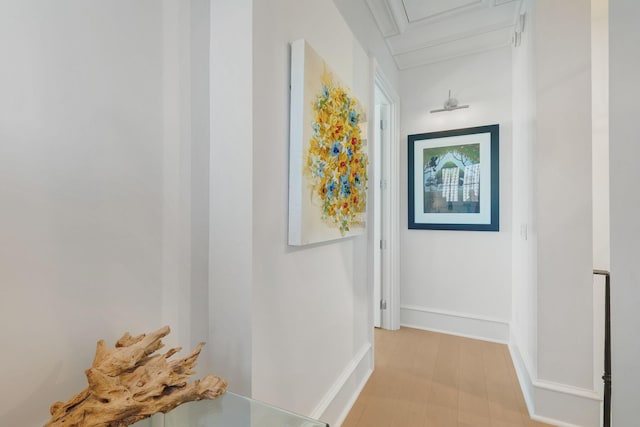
x=391 y=290
x=454 y=314
x=550 y=385
x=523 y=372
x=527 y=364
x=353 y=399
x=456 y=323
x=552 y=421
x=553 y=403
x=567 y=389
x=376 y=203
x=565 y=407
x=331 y=397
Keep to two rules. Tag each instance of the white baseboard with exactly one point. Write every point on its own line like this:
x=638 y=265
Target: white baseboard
x=353 y=399
x=566 y=406
x=455 y=323
x=337 y=402
x=561 y=405
x=525 y=375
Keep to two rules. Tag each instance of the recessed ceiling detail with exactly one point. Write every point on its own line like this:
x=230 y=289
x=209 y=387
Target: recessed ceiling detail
x=420 y=32
x=417 y=10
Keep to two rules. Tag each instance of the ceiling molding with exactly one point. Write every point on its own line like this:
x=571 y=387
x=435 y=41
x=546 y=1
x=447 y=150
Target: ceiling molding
x=479 y=21
x=443 y=29
x=398 y=13
x=383 y=17
x=418 y=10
x=454 y=49
x=504 y=27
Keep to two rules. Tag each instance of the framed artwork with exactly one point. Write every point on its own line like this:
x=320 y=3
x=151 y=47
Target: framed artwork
x=454 y=179
x=327 y=153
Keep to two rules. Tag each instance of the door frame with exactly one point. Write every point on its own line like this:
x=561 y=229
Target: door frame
x=390 y=318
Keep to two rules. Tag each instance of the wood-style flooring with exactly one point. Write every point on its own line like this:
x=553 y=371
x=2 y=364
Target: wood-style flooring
x=426 y=379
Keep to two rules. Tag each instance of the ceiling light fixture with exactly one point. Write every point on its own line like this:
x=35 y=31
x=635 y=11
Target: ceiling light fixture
x=449 y=105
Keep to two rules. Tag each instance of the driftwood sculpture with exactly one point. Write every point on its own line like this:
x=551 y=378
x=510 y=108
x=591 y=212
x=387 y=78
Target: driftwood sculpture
x=128 y=384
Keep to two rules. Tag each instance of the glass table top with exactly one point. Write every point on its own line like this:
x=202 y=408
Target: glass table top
x=230 y=410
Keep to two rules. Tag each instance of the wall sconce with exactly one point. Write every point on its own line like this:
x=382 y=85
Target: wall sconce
x=450 y=104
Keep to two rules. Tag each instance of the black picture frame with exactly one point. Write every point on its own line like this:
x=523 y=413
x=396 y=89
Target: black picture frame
x=448 y=174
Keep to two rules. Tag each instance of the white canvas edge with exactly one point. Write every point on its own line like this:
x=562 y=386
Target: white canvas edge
x=295 y=141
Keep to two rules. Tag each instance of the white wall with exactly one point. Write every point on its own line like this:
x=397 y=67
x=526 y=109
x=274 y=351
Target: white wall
x=95 y=194
x=200 y=151
x=625 y=201
x=524 y=239
x=311 y=305
x=563 y=192
x=600 y=125
x=600 y=176
x=361 y=21
x=387 y=76
x=231 y=174
x=523 y=247
x=553 y=327
x=117 y=148
x=448 y=274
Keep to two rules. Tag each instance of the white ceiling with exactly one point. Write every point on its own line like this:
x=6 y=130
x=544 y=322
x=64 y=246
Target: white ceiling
x=419 y=32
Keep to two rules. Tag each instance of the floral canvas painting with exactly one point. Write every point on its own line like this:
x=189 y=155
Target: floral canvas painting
x=328 y=155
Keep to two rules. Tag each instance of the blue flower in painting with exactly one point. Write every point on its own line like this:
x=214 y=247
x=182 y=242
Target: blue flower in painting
x=345 y=188
x=318 y=168
x=349 y=153
x=316 y=127
x=325 y=91
x=353 y=118
x=331 y=188
x=356 y=179
x=336 y=148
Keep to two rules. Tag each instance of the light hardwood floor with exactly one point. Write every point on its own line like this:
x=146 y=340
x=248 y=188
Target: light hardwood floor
x=426 y=379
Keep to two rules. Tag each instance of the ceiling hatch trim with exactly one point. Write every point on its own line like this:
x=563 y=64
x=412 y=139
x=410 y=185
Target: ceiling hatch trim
x=419 y=32
x=420 y=10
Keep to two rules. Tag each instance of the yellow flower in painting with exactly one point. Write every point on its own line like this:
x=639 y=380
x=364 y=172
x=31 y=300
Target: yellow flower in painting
x=336 y=161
